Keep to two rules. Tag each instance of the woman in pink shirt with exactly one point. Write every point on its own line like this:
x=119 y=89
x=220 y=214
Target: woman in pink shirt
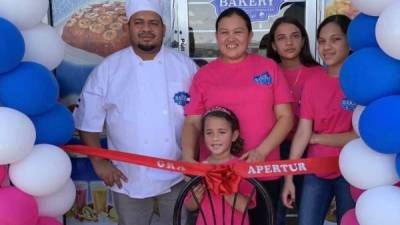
x=325 y=127
x=253 y=87
x=288 y=45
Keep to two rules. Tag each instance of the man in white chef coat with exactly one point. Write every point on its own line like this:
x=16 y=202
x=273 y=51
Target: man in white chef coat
x=137 y=94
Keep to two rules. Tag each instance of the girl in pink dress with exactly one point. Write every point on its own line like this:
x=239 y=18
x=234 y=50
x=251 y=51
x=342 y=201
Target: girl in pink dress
x=220 y=128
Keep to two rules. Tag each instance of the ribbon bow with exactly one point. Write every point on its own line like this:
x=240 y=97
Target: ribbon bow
x=222 y=179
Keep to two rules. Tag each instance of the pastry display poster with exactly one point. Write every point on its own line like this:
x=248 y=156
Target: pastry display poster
x=92 y=30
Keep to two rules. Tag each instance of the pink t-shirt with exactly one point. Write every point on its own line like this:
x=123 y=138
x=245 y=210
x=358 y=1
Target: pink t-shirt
x=324 y=103
x=245 y=189
x=250 y=89
x=296 y=79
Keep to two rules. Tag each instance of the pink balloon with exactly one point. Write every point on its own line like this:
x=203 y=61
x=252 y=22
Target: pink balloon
x=349 y=218
x=43 y=220
x=17 y=207
x=355 y=192
x=3 y=173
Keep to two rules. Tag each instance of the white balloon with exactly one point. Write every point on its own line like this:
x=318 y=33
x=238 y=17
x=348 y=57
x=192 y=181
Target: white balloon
x=371 y=7
x=379 y=206
x=356 y=118
x=43 y=45
x=24 y=13
x=365 y=168
x=58 y=203
x=17 y=135
x=44 y=171
x=387 y=30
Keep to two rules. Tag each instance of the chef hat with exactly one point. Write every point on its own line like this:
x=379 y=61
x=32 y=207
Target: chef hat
x=134 y=6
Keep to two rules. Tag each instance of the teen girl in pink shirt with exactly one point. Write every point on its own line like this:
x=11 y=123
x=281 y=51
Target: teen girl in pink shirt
x=288 y=45
x=325 y=125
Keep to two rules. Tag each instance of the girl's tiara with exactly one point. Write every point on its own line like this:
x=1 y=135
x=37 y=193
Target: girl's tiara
x=218 y=109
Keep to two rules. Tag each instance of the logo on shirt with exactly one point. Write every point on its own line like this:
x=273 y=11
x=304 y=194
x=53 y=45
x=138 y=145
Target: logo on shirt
x=263 y=79
x=348 y=105
x=181 y=98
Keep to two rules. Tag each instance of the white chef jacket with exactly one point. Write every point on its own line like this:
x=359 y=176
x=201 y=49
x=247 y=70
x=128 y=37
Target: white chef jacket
x=141 y=104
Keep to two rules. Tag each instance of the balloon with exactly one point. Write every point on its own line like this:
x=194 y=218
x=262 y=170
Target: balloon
x=17 y=135
x=11 y=44
x=356 y=118
x=48 y=221
x=30 y=88
x=356 y=160
x=349 y=218
x=388 y=30
x=3 y=173
x=398 y=166
x=38 y=40
x=380 y=125
x=355 y=193
x=17 y=207
x=369 y=74
x=43 y=172
x=379 y=206
x=58 y=203
x=24 y=13
x=55 y=126
x=361 y=32
x=371 y=7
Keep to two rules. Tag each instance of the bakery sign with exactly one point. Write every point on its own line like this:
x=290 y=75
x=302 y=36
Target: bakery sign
x=258 y=10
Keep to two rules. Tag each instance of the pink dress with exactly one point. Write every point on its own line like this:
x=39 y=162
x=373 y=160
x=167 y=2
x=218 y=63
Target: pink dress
x=215 y=202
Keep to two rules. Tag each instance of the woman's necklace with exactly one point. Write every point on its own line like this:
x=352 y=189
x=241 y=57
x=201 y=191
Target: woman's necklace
x=298 y=76
x=296 y=80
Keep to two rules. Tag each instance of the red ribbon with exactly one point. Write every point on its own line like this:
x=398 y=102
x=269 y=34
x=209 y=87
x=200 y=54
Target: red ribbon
x=221 y=179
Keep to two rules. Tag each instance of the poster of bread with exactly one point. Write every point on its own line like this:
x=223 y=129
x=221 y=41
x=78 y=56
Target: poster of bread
x=92 y=30
x=100 y=28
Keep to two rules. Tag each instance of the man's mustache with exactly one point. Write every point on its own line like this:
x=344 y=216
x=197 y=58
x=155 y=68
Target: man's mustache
x=147 y=34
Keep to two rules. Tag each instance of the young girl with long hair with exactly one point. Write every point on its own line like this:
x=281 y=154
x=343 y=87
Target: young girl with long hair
x=325 y=127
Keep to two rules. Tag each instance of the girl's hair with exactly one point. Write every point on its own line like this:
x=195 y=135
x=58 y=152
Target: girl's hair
x=234 y=11
x=341 y=20
x=228 y=115
x=305 y=54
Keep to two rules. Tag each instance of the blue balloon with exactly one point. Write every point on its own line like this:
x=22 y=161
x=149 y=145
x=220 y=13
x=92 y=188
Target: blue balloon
x=30 y=88
x=361 y=32
x=55 y=126
x=380 y=125
x=12 y=46
x=369 y=74
x=398 y=164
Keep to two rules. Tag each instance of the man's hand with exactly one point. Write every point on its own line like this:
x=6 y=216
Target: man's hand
x=108 y=172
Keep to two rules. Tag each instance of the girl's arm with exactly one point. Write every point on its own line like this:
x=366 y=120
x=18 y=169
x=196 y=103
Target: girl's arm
x=282 y=127
x=334 y=140
x=241 y=201
x=190 y=201
x=299 y=145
